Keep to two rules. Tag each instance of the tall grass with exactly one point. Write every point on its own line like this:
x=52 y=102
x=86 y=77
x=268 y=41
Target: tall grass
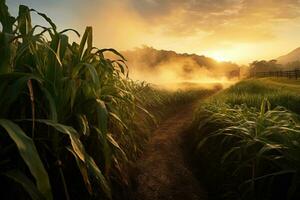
x=71 y=121
x=247 y=147
x=252 y=92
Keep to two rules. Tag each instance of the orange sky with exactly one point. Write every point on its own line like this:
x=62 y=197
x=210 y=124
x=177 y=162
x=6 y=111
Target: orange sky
x=236 y=30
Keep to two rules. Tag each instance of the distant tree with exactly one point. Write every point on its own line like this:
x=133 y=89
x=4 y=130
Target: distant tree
x=264 y=66
x=234 y=73
x=293 y=65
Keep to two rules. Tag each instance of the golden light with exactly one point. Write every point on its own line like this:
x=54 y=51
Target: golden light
x=218 y=56
x=235 y=52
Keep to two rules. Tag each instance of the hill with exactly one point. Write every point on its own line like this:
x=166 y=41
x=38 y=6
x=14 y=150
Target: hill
x=290 y=57
x=171 y=66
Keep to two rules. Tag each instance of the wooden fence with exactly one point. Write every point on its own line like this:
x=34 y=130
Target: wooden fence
x=292 y=74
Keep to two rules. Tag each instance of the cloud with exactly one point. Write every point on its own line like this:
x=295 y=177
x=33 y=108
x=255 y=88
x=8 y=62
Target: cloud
x=221 y=27
x=183 y=18
x=186 y=17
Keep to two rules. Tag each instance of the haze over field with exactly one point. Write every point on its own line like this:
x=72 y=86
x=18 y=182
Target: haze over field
x=169 y=67
x=237 y=30
x=171 y=41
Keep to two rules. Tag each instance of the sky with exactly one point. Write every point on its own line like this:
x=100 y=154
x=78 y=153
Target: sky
x=232 y=30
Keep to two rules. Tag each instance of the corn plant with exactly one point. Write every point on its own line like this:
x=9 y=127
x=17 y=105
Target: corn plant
x=71 y=120
x=253 y=91
x=251 y=151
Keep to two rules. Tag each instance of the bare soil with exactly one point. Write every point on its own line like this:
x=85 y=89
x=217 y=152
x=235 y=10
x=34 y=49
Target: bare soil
x=163 y=173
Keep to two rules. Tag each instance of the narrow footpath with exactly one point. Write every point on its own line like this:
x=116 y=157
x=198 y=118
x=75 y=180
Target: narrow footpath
x=162 y=172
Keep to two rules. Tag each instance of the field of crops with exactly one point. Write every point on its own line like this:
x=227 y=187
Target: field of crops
x=247 y=139
x=71 y=121
x=73 y=125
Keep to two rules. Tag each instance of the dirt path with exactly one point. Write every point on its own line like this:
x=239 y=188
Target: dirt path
x=162 y=172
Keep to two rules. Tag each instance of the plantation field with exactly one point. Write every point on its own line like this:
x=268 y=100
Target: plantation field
x=280 y=92
x=284 y=83
x=72 y=123
x=247 y=139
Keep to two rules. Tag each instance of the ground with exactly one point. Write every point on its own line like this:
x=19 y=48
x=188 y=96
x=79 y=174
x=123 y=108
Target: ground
x=162 y=173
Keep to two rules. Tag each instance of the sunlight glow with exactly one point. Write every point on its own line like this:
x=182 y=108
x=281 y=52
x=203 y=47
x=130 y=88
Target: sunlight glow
x=218 y=57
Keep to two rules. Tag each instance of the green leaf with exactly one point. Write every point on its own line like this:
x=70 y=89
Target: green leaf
x=5 y=52
x=71 y=132
x=30 y=156
x=24 y=20
x=90 y=166
x=6 y=35
x=64 y=41
x=93 y=73
x=102 y=116
x=26 y=183
x=83 y=124
x=117 y=118
x=148 y=113
x=83 y=170
x=99 y=176
x=5 y=19
x=79 y=150
x=51 y=103
x=87 y=38
x=115 y=144
x=46 y=18
x=101 y=51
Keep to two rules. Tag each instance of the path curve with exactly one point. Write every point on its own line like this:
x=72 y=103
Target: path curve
x=162 y=173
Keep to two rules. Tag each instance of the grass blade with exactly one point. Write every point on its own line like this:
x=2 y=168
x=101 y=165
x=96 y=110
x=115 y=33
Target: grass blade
x=30 y=156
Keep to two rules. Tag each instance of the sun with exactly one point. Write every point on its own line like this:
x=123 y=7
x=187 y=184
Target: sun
x=218 y=56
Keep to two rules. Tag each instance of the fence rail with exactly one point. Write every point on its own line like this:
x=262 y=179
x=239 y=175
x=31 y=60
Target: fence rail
x=291 y=74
